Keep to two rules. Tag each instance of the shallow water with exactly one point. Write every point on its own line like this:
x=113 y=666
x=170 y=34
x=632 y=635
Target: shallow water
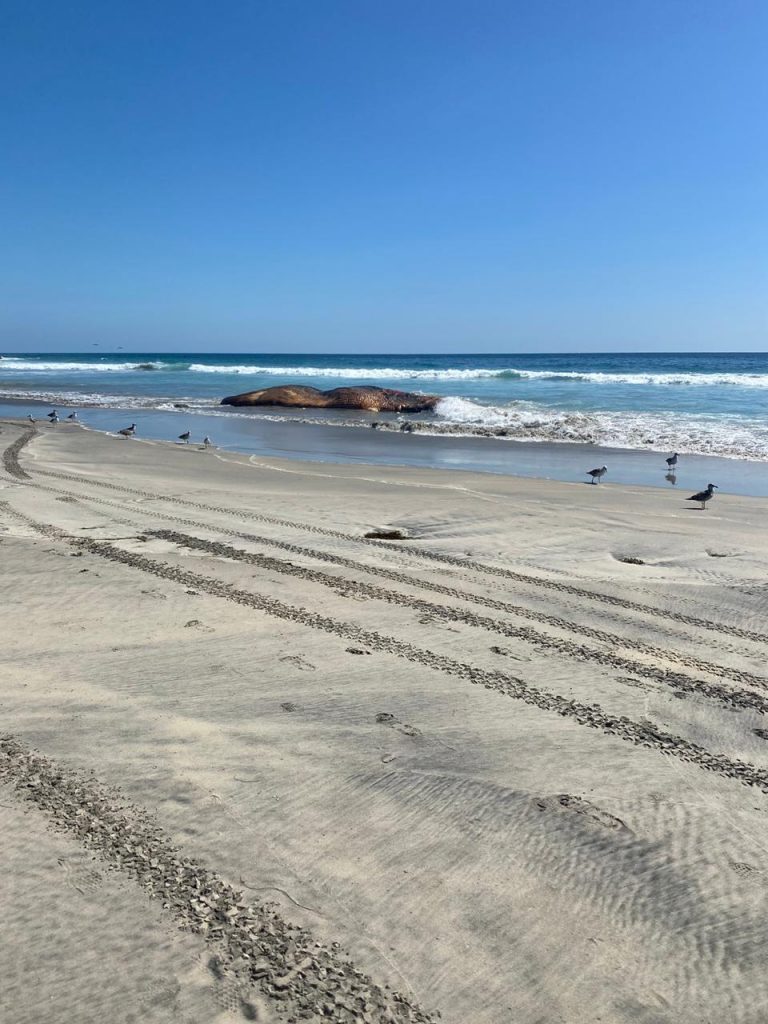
x=286 y=436
x=691 y=403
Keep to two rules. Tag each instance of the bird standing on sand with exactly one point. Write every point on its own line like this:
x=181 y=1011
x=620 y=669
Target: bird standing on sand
x=73 y=417
x=596 y=474
x=128 y=431
x=31 y=418
x=207 y=442
x=53 y=417
x=672 y=461
x=704 y=496
x=185 y=436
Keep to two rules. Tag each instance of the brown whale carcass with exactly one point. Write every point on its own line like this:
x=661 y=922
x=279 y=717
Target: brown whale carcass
x=371 y=398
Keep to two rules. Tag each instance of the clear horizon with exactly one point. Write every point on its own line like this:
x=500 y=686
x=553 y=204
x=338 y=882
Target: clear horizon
x=134 y=351
x=290 y=178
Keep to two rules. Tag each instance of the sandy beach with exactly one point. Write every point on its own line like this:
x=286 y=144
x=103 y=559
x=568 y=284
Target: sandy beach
x=256 y=765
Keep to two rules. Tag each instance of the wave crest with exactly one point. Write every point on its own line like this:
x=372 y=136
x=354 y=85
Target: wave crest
x=38 y=366
x=736 y=437
x=12 y=364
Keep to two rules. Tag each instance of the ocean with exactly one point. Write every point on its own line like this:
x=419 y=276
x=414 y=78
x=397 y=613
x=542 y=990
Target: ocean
x=713 y=404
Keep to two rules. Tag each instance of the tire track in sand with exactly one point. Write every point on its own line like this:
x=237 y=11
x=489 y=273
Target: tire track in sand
x=676 y=680
x=540 y=641
x=643 y=734
x=254 y=944
x=11 y=454
x=679 y=681
x=435 y=556
x=738 y=676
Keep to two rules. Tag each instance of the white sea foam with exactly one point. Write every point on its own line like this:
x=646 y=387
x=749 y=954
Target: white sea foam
x=12 y=364
x=98 y=400
x=756 y=380
x=730 y=436
x=744 y=380
x=346 y=372
x=740 y=437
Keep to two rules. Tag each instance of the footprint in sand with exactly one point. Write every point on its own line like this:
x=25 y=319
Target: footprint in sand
x=162 y=993
x=595 y=815
x=435 y=620
x=385 y=718
x=637 y=683
x=742 y=868
x=198 y=625
x=299 y=662
x=232 y=995
x=505 y=652
x=80 y=875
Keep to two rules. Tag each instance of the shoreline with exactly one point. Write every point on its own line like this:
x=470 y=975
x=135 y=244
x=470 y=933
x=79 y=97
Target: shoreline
x=288 y=436
x=629 y=428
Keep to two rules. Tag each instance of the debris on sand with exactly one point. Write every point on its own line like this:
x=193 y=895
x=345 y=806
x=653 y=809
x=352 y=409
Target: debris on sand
x=386 y=533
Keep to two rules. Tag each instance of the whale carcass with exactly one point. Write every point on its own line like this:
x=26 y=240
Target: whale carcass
x=371 y=398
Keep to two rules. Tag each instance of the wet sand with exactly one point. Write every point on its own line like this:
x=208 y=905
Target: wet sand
x=515 y=766
x=282 y=433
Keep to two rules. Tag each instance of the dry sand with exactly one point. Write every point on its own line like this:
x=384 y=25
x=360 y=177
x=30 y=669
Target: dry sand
x=512 y=775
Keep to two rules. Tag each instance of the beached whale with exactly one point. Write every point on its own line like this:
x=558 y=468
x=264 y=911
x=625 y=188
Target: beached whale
x=301 y=397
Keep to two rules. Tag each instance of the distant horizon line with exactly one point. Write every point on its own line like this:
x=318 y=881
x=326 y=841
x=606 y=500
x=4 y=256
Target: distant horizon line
x=412 y=355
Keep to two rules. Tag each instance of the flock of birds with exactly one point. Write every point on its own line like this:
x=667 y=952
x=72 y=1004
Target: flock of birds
x=701 y=496
x=596 y=474
x=184 y=438
x=53 y=417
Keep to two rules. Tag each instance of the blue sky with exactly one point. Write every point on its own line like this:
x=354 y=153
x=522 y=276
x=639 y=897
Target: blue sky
x=350 y=175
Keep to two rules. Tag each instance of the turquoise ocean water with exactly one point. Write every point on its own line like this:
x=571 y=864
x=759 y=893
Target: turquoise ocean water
x=715 y=404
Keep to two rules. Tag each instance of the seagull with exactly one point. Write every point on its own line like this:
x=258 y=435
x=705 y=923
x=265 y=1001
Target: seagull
x=128 y=431
x=703 y=496
x=597 y=473
x=185 y=437
x=207 y=442
x=72 y=416
x=672 y=461
x=31 y=418
x=53 y=417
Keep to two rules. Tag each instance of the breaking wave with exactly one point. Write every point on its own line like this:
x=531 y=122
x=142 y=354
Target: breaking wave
x=739 y=437
x=725 y=435
x=13 y=364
